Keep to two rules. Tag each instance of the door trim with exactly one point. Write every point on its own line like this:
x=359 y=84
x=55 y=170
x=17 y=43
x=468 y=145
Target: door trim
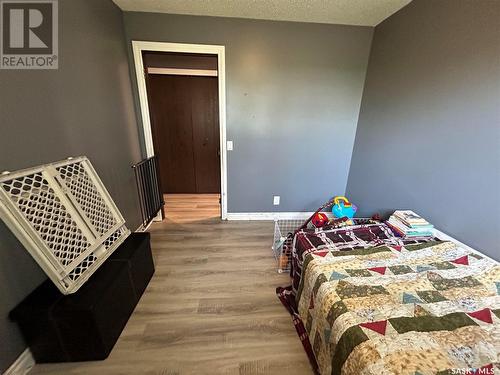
x=183 y=72
x=138 y=47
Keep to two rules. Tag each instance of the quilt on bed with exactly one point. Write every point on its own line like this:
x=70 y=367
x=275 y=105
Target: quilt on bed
x=360 y=236
x=414 y=309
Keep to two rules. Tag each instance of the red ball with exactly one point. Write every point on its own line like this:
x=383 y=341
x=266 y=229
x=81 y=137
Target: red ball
x=319 y=220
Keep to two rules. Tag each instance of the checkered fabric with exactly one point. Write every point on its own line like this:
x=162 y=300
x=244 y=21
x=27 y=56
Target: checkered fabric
x=363 y=235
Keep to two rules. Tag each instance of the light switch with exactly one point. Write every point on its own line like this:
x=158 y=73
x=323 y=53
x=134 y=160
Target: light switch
x=276 y=200
x=230 y=145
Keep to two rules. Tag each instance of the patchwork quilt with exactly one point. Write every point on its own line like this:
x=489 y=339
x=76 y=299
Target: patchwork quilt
x=360 y=236
x=424 y=308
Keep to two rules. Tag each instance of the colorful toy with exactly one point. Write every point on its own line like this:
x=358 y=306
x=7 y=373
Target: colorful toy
x=319 y=219
x=343 y=208
x=340 y=222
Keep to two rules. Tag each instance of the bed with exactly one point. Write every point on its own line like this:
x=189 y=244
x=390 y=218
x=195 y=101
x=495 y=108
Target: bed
x=363 y=234
x=365 y=301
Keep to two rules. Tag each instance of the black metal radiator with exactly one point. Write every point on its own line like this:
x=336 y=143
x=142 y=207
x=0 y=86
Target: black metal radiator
x=148 y=182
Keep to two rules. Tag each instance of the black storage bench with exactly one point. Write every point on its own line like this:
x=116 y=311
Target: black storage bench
x=85 y=326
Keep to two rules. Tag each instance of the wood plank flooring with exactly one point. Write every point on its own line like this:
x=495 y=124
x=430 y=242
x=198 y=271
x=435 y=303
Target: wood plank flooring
x=211 y=306
x=189 y=207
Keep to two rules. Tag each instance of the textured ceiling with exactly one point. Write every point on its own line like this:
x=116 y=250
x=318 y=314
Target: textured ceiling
x=347 y=12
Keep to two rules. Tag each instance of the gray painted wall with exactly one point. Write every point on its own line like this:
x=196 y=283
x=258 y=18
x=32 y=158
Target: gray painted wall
x=293 y=97
x=428 y=136
x=84 y=108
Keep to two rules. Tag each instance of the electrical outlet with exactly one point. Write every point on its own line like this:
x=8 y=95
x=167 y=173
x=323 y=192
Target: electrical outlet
x=276 y=200
x=230 y=145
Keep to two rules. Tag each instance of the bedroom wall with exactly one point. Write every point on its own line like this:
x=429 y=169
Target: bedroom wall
x=293 y=97
x=83 y=108
x=428 y=136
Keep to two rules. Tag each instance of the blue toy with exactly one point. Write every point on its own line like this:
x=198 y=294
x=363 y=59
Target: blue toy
x=343 y=208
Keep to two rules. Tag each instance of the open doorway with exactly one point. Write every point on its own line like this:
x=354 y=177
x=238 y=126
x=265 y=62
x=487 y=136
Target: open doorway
x=183 y=112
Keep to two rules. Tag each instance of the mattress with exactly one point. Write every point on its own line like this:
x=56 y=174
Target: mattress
x=382 y=306
x=364 y=234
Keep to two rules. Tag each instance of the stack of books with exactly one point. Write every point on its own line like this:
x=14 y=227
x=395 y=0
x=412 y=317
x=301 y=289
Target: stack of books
x=409 y=224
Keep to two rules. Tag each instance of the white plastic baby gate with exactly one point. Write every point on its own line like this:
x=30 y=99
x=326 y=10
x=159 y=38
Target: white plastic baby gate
x=65 y=217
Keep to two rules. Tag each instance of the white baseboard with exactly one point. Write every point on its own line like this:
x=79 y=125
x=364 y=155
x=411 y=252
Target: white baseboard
x=158 y=218
x=22 y=365
x=268 y=215
x=142 y=228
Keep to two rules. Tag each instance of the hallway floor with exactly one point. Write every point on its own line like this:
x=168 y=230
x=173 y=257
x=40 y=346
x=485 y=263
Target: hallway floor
x=189 y=207
x=211 y=306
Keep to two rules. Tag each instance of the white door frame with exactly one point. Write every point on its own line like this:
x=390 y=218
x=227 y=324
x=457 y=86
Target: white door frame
x=138 y=47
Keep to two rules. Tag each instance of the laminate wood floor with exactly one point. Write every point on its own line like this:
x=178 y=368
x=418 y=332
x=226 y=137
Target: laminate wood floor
x=189 y=207
x=211 y=306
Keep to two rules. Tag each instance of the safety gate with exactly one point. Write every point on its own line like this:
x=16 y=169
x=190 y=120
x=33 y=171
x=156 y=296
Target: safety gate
x=65 y=217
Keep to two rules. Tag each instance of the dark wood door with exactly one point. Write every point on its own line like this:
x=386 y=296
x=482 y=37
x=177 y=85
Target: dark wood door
x=185 y=122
